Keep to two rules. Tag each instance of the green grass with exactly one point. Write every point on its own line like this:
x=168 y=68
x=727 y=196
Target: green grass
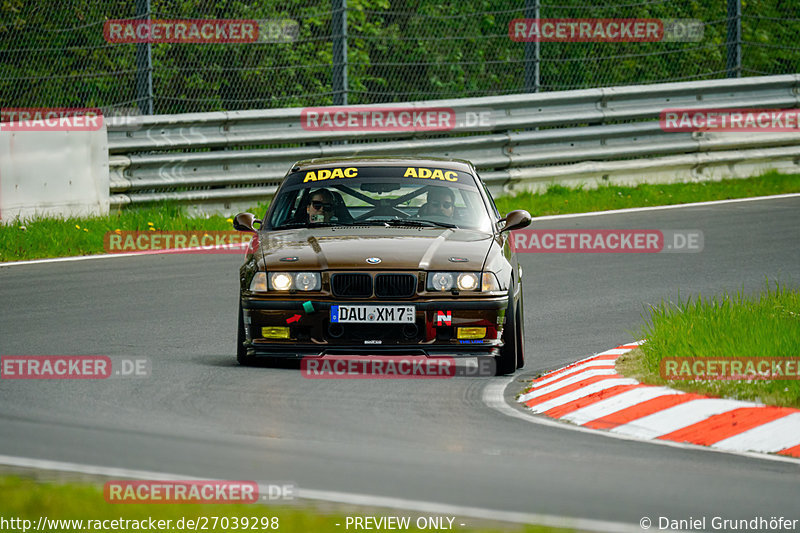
x=558 y=200
x=28 y=499
x=51 y=237
x=731 y=325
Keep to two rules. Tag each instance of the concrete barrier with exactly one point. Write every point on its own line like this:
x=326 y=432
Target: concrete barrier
x=53 y=173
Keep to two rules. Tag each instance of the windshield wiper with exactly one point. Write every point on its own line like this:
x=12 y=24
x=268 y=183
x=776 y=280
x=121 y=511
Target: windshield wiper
x=369 y=223
x=387 y=223
x=404 y=222
x=420 y=222
x=307 y=225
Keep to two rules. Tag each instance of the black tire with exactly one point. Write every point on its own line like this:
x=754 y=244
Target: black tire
x=506 y=362
x=241 y=351
x=520 y=333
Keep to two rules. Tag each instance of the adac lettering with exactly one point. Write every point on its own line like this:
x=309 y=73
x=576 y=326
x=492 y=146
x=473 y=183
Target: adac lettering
x=435 y=174
x=327 y=173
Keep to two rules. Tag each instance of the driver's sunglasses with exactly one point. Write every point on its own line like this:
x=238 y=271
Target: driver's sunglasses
x=319 y=205
x=443 y=205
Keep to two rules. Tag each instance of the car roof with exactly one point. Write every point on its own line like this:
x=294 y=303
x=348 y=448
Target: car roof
x=440 y=162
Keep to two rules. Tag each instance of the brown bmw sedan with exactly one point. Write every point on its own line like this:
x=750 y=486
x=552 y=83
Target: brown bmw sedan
x=382 y=256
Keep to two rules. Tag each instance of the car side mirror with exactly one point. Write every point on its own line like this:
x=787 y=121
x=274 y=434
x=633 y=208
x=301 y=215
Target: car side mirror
x=245 y=221
x=516 y=219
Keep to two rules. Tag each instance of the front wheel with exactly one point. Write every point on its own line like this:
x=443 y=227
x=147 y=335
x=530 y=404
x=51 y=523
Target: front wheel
x=241 y=350
x=520 y=333
x=506 y=362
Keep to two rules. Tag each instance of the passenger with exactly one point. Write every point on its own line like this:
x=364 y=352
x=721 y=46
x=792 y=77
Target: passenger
x=440 y=202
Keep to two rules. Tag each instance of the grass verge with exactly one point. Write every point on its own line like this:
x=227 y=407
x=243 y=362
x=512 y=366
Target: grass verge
x=559 y=200
x=27 y=499
x=732 y=325
x=49 y=237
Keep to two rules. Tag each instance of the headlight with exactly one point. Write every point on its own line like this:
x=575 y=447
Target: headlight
x=441 y=281
x=286 y=281
x=307 y=281
x=463 y=281
x=467 y=281
x=280 y=281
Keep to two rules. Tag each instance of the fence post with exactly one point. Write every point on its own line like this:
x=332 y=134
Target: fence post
x=144 y=65
x=734 y=39
x=339 y=38
x=532 y=52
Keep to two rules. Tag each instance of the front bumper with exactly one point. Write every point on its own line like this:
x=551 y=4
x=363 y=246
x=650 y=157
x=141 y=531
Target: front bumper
x=432 y=333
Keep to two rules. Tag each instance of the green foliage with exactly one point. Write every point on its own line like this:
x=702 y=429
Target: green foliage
x=54 y=53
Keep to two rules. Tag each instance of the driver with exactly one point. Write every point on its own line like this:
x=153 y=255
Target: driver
x=440 y=202
x=320 y=207
x=323 y=205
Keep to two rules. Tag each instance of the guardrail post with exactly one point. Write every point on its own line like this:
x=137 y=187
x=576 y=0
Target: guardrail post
x=339 y=38
x=144 y=65
x=532 y=51
x=734 y=38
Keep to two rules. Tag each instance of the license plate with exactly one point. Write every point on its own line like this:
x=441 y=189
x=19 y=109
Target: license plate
x=373 y=314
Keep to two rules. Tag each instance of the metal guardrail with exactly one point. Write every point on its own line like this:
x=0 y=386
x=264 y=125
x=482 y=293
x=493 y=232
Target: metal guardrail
x=215 y=159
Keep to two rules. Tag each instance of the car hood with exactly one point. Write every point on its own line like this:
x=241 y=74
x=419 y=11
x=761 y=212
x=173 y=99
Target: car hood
x=348 y=248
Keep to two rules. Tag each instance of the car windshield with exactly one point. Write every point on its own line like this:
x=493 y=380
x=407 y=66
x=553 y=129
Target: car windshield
x=379 y=196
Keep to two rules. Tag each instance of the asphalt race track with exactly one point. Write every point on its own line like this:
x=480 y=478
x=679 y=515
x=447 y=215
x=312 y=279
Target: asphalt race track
x=200 y=414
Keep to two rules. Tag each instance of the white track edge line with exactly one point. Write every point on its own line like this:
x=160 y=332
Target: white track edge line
x=546 y=217
x=166 y=251
x=566 y=522
x=493 y=397
x=673 y=206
